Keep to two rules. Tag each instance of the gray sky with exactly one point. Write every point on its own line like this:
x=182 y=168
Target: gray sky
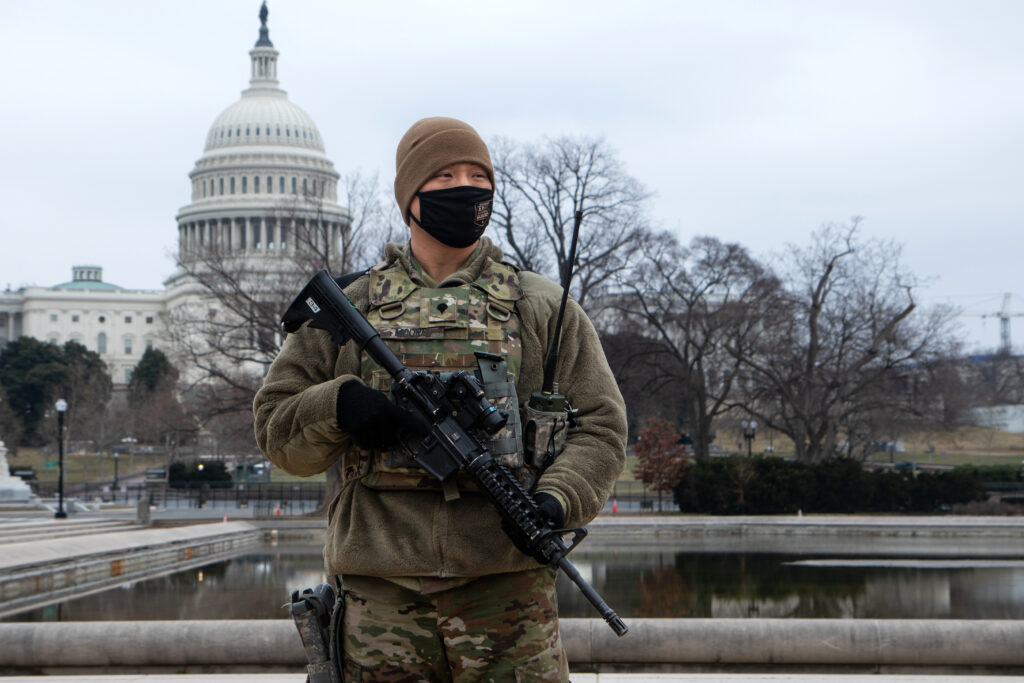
x=754 y=121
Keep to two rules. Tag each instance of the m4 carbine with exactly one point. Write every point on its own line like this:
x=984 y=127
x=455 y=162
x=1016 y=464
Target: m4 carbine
x=454 y=409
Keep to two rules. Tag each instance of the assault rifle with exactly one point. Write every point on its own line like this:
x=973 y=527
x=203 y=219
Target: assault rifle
x=455 y=409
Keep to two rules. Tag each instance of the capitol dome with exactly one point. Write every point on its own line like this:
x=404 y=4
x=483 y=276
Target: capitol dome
x=263 y=176
x=264 y=118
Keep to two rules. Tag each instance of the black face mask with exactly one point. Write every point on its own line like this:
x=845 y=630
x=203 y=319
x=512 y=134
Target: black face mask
x=455 y=216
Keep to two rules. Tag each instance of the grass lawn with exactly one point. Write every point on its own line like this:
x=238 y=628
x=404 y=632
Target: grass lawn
x=82 y=467
x=280 y=477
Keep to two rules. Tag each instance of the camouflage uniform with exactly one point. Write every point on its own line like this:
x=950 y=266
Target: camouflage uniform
x=502 y=627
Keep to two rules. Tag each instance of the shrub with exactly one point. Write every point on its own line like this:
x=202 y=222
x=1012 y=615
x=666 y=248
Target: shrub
x=739 y=485
x=214 y=474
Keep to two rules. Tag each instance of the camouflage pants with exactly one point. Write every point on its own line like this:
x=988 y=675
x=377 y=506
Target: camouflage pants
x=502 y=627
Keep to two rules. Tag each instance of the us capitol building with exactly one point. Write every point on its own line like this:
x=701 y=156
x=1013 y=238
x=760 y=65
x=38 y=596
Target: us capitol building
x=263 y=152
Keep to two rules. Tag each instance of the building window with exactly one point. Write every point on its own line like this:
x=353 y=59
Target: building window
x=128 y=346
x=294 y=181
x=101 y=342
x=222 y=186
x=53 y=340
x=256 y=185
x=74 y=318
x=127 y=375
x=244 y=185
x=232 y=184
x=303 y=186
x=270 y=185
x=53 y=317
x=149 y=344
x=103 y=318
x=149 y=320
x=280 y=184
x=127 y=318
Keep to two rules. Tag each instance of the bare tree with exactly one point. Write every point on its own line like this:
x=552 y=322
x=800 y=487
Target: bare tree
x=226 y=329
x=825 y=353
x=688 y=303
x=371 y=222
x=539 y=187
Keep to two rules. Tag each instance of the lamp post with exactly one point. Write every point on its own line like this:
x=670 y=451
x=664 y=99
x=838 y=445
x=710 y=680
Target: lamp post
x=749 y=431
x=115 y=469
x=61 y=407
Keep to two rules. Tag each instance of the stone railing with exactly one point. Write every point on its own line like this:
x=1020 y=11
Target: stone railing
x=652 y=644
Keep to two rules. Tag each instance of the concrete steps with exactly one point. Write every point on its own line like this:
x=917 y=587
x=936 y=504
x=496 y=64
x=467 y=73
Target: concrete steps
x=42 y=529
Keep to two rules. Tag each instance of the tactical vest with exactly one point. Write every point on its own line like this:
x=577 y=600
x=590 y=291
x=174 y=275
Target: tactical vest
x=440 y=330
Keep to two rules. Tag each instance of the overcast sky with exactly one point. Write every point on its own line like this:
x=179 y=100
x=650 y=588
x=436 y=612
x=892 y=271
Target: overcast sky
x=754 y=122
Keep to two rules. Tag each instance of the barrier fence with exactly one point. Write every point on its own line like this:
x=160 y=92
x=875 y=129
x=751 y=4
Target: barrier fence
x=285 y=498
x=266 y=499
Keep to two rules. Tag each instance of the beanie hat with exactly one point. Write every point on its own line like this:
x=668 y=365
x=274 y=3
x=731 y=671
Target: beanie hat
x=430 y=145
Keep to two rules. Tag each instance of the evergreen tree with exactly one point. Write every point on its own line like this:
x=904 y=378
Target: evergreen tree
x=31 y=373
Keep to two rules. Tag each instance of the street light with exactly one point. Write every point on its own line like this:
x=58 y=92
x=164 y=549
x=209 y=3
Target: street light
x=749 y=431
x=61 y=407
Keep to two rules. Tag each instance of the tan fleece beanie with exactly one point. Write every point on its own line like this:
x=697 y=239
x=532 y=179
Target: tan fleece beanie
x=430 y=145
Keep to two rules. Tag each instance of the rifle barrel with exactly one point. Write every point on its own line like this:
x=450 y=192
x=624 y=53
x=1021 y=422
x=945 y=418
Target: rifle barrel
x=613 y=620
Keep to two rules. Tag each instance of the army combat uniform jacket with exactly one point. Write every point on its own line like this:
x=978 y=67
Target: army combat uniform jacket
x=396 y=532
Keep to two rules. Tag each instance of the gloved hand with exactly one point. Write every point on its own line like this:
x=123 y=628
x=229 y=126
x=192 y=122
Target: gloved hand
x=372 y=420
x=549 y=508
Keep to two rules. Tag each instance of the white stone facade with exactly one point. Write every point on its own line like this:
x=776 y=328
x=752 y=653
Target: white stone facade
x=116 y=323
x=262 y=169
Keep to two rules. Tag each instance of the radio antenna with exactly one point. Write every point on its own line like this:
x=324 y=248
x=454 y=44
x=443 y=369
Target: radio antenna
x=549 y=367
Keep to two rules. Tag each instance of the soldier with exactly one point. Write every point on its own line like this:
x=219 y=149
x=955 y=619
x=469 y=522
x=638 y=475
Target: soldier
x=433 y=590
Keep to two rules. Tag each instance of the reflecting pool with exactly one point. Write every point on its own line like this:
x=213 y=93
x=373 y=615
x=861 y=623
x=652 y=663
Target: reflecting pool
x=737 y=578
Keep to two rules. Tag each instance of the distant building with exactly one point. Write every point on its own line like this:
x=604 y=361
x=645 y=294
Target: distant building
x=262 y=155
x=117 y=323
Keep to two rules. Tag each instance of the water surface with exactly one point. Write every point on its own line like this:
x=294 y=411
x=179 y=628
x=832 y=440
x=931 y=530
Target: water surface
x=716 y=578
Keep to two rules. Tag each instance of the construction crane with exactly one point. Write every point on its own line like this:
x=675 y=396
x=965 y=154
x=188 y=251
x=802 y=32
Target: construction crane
x=1004 y=316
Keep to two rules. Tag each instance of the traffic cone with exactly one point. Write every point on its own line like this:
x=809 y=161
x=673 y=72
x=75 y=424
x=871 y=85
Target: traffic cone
x=615 y=506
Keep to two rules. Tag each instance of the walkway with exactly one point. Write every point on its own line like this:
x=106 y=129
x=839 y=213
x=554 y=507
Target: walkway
x=96 y=556
x=576 y=678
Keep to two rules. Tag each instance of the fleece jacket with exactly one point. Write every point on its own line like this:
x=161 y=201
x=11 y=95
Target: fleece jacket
x=416 y=533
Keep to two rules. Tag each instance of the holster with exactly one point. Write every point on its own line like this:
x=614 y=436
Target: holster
x=318 y=617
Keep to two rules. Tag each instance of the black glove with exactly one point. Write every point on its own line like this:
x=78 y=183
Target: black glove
x=549 y=508
x=373 y=421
